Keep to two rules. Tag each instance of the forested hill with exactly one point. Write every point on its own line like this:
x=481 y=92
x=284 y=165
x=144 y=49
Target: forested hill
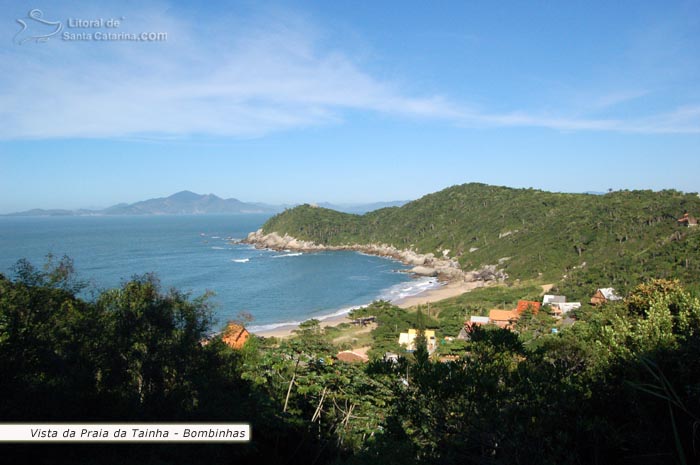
x=621 y=237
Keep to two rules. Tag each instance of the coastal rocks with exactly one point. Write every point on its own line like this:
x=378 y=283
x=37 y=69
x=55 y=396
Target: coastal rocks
x=423 y=264
x=453 y=274
x=276 y=242
x=410 y=257
x=490 y=273
x=424 y=271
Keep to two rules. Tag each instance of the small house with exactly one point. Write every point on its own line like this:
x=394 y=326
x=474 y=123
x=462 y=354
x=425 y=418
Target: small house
x=688 y=220
x=469 y=325
x=364 y=321
x=391 y=357
x=479 y=320
x=525 y=304
x=565 y=307
x=235 y=335
x=408 y=339
x=430 y=340
x=604 y=295
x=348 y=356
x=464 y=333
x=504 y=318
x=553 y=299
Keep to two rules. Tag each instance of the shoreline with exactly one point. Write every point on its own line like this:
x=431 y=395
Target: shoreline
x=445 y=291
x=288 y=330
x=446 y=269
x=423 y=264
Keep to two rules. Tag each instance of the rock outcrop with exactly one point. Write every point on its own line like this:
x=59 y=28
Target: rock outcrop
x=423 y=264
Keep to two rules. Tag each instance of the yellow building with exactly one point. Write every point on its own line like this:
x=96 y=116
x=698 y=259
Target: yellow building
x=408 y=340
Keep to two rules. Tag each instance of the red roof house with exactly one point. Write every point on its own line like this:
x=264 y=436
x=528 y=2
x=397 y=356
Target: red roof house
x=349 y=356
x=503 y=318
x=235 y=335
x=525 y=304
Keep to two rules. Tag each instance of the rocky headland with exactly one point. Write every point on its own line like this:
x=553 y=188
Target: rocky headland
x=444 y=268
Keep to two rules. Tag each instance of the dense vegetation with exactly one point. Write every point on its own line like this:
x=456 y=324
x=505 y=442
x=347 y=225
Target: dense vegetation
x=130 y=354
x=621 y=385
x=617 y=239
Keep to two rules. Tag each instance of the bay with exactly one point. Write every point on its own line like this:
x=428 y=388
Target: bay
x=198 y=253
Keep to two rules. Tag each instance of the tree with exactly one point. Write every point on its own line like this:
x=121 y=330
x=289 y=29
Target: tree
x=153 y=340
x=640 y=299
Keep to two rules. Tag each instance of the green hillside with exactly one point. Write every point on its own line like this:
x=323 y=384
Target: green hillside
x=621 y=237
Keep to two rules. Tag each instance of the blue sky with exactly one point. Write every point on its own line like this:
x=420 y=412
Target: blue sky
x=287 y=102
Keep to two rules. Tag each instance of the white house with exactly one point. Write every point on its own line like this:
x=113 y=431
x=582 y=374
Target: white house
x=606 y=294
x=566 y=307
x=553 y=299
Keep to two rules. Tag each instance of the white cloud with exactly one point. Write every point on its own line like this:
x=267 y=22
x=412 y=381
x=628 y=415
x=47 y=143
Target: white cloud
x=237 y=79
x=685 y=120
x=616 y=98
x=242 y=83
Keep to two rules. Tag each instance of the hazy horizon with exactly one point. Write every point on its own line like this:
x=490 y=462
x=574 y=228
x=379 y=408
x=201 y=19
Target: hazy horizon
x=251 y=201
x=280 y=204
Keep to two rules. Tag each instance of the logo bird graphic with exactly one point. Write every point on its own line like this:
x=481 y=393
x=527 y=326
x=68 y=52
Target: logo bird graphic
x=38 y=26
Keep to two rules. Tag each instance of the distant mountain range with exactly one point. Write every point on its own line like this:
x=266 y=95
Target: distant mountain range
x=190 y=203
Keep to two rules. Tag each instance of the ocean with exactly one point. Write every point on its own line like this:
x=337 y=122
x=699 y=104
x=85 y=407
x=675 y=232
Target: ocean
x=198 y=253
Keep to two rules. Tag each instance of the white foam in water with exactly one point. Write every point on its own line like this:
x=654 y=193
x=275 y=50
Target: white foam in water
x=218 y=248
x=296 y=254
x=409 y=289
x=342 y=311
x=392 y=294
x=241 y=260
x=269 y=327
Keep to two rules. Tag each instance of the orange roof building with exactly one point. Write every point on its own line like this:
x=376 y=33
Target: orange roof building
x=506 y=318
x=525 y=304
x=235 y=335
x=503 y=318
x=349 y=356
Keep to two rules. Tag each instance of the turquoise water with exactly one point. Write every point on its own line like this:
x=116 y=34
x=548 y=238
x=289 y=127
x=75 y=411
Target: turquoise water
x=196 y=254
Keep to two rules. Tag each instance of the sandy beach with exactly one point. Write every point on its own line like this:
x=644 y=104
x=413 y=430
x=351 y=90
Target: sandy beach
x=451 y=289
x=286 y=331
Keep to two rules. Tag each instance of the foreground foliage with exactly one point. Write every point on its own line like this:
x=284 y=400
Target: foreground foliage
x=622 y=385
